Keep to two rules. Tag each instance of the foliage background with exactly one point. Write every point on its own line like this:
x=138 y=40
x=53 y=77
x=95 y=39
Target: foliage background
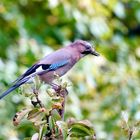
x=102 y=88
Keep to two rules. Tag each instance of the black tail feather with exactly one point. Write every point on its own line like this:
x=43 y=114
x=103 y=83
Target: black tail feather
x=9 y=90
x=18 y=84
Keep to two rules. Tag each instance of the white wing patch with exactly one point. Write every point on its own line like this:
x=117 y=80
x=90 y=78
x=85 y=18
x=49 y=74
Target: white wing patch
x=42 y=68
x=39 y=69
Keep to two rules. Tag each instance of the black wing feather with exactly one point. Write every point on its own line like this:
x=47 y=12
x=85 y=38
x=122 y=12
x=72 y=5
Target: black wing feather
x=32 y=70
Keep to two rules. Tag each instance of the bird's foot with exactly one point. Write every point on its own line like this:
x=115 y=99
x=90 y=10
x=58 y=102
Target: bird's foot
x=56 y=87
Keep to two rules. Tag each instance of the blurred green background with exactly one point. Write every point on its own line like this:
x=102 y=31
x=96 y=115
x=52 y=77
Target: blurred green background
x=102 y=88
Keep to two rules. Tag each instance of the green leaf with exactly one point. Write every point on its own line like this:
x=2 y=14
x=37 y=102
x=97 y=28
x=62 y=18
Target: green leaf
x=26 y=90
x=63 y=128
x=64 y=85
x=51 y=122
x=19 y=116
x=35 y=115
x=81 y=129
x=28 y=138
x=38 y=123
x=57 y=99
x=41 y=131
x=51 y=92
x=55 y=115
x=37 y=82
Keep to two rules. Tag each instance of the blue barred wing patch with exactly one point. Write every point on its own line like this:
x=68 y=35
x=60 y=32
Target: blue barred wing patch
x=58 y=65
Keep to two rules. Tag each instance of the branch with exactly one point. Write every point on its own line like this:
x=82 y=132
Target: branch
x=130 y=134
x=37 y=99
x=62 y=92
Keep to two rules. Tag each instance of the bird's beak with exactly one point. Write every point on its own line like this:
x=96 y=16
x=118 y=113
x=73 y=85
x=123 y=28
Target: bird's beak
x=94 y=53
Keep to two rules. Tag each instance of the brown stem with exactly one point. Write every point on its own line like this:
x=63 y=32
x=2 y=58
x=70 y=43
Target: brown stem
x=62 y=93
x=37 y=99
x=47 y=116
x=94 y=137
x=130 y=134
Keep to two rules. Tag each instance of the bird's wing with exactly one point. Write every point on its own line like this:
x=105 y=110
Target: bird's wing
x=38 y=69
x=28 y=72
x=34 y=70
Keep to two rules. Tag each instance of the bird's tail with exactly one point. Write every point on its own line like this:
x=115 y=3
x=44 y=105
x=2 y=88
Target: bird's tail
x=9 y=90
x=16 y=85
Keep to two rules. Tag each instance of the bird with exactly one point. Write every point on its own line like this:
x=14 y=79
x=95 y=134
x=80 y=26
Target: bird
x=59 y=62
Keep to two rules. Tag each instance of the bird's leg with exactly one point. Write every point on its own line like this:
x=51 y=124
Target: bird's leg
x=56 y=87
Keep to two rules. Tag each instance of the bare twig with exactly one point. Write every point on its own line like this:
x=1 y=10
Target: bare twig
x=37 y=99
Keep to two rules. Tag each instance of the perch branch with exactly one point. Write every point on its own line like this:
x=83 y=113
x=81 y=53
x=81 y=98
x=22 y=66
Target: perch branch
x=62 y=92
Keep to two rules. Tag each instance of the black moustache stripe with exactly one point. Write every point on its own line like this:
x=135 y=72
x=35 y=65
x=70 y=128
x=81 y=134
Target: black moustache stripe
x=86 y=52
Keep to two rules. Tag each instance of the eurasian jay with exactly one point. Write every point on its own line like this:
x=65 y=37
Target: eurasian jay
x=60 y=62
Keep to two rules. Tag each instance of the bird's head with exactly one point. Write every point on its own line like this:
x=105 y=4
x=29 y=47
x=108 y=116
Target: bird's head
x=84 y=48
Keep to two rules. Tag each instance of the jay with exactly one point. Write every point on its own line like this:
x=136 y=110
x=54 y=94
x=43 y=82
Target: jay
x=60 y=62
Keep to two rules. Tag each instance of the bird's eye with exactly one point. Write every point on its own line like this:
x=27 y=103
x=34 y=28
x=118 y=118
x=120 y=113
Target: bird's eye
x=88 y=47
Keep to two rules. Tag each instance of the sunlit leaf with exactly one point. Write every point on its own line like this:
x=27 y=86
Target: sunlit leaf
x=51 y=122
x=37 y=82
x=35 y=115
x=26 y=90
x=20 y=115
x=57 y=99
x=62 y=126
x=39 y=123
x=51 y=92
x=55 y=115
x=80 y=130
x=41 y=131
